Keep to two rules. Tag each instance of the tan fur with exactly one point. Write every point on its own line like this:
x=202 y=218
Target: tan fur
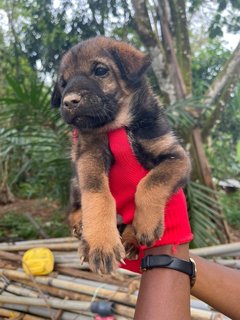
x=159 y=145
x=96 y=220
x=151 y=197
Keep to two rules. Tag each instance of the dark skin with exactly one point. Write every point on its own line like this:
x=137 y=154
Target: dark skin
x=217 y=285
x=164 y=293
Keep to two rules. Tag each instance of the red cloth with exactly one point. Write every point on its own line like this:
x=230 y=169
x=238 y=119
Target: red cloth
x=124 y=177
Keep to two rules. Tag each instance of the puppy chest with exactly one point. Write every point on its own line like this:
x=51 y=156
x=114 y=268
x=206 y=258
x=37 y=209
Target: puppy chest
x=125 y=174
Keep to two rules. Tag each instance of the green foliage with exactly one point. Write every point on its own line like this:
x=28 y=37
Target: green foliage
x=222 y=145
x=231 y=205
x=238 y=151
x=48 y=31
x=34 y=141
x=224 y=14
x=204 y=215
x=227 y=15
x=207 y=61
x=182 y=115
x=16 y=225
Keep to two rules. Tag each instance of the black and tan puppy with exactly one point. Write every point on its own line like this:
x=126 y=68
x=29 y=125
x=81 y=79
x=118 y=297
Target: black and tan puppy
x=101 y=86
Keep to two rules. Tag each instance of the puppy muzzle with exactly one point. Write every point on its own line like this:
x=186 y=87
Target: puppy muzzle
x=85 y=106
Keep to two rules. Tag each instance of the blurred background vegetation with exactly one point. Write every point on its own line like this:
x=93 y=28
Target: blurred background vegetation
x=192 y=44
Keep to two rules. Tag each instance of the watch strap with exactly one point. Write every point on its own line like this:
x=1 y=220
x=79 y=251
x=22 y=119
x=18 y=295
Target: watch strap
x=164 y=261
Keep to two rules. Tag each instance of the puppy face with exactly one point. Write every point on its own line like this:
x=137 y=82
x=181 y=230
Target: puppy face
x=96 y=82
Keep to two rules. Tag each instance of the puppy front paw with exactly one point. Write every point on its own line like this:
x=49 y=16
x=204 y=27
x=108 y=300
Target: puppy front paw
x=104 y=255
x=147 y=230
x=147 y=238
x=77 y=230
x=130 y=243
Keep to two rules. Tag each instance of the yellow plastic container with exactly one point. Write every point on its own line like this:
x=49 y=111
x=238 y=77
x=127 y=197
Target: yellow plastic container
x=38 y=261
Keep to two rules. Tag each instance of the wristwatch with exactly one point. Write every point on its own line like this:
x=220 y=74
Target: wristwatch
x=165 y=261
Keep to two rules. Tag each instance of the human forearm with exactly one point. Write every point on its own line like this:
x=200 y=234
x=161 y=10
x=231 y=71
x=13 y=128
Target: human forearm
x=164 y=293
x=218 y=286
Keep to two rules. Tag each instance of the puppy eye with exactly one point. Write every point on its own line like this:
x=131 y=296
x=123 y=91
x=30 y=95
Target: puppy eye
x=62 y=83
x=100 y=71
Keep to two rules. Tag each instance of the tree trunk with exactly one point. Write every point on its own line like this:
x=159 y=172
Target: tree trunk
x=155 y=49
x=177 y=69
x=6 y=195
x=221 y=90
x=180 y=33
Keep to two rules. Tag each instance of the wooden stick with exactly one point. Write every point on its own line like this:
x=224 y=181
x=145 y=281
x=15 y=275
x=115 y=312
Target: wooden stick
x=10 y=256
x=60 y=293
x=66 y=294
x=52 y=246
x=59 y=304
x=41 y=241
x=36 y=225
x=19 y=290
x=120 y=281
x=198 y=314
x=41 y=311
x=81 y=288
x=13 y=315
x=219 y=250
x=124 y=311
x=53 y=302
x=231 y=263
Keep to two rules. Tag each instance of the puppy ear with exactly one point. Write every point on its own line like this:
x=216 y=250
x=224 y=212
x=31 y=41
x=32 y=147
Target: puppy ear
x=56 y=97
x=131 y=62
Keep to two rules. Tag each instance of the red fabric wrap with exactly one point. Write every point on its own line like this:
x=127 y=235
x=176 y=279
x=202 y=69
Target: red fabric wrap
x=124 y=177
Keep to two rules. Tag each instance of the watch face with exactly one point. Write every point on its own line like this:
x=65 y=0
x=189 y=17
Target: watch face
x=194 y=272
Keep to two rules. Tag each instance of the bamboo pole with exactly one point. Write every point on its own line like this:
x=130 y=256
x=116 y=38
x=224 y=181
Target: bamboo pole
x=124 y=311
x=44 y=312
x=10 y=256
x=17 y=315
x=52 y=302
x=18 y=290
x=198 y=314
x=118 y=279
x=60 y=293
x=41 y=241
x=116 y=296
x=218 y=250
x=52 y=246
x=231 y=263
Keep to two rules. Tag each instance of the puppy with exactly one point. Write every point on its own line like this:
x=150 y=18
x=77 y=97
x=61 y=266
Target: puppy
x=102 y=88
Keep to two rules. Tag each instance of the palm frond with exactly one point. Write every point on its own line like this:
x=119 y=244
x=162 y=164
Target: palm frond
x=204 y=212
x=34 y=140
x=181 y=114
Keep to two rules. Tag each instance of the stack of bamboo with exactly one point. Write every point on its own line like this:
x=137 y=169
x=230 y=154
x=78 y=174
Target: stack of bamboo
x=68 y=292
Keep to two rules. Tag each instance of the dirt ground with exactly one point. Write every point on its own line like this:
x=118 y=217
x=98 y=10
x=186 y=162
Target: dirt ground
x=37 y=207
x=46 y=209
x=32 y=219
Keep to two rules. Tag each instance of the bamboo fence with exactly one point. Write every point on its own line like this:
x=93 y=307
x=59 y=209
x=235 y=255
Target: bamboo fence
x=69 y=291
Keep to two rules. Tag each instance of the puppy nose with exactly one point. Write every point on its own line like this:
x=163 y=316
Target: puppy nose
x=71 y=100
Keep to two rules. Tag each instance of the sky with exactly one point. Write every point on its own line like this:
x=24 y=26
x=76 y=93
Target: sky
x=199 y=22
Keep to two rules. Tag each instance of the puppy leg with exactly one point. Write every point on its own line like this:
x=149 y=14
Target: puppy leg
x=130 y=242
x=155 y=189
x=101 y=244
x=75 y=221
x=75 y=211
